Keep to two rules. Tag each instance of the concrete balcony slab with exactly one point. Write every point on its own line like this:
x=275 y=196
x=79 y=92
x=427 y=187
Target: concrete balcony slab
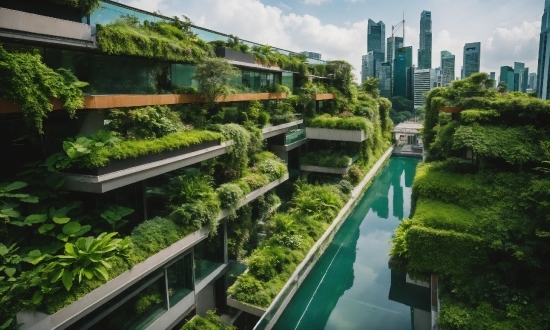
x=335 y=134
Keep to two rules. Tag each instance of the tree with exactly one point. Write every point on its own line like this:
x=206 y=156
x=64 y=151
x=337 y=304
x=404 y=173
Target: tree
x=371 y=86
x=213 y=76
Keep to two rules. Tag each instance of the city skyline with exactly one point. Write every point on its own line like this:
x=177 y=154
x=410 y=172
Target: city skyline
x=338 y=29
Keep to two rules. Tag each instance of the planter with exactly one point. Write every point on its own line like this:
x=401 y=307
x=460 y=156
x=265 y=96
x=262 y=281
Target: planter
x=122 y=164
x=323 y=97
x=335 y=134
x=450 y=109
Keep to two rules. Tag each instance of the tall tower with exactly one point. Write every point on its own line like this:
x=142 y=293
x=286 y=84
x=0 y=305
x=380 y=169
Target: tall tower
x=447 y=68
x=398 y=44
x=376 y=39
x=425 y=50
x=543 y=83
x=472 y=57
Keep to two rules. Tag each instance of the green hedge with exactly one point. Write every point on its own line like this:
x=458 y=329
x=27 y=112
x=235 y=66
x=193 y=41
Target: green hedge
x=444 y=252
x=325 y=158
x=347 y=123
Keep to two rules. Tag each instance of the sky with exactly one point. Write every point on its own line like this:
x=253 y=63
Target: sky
x=507 y=29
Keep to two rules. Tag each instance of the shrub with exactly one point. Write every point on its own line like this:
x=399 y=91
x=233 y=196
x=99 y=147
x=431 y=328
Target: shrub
x=210 y=322
x=345 y=186
x=273 y=169
x=250 y=290
x=326 y=158
x=348 y=123
x=355 y=175
x=145 y=123
x=318 y=202
x=230 y=194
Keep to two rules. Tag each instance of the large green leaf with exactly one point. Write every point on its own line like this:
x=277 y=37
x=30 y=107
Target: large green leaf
x=61 y=220
x=69 y=249
x=89 y=273
x=3 y=250
x=37 y=297
x=71 y=228
x=35 y=256
x=10 y=271
x=45 y=228
x=13 y=186
x=36 y=218
x=67 y=280
x=101 y=273
x=56 y=275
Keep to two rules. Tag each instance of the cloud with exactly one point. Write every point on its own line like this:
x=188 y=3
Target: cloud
x=314 y=2
x=285 y=6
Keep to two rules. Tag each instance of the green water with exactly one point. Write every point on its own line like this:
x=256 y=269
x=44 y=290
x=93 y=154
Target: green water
x=351 y=286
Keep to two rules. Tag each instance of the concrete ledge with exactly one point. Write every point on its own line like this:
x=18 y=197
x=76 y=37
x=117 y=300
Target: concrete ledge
x=255 y=194
x=111 y=289
x=316 y=252
x=103 y=183
x=42 y=25
x=245 y=308
x=335 y=134
x=271 y=131
x=211 y=277
x=288 y=147
x=319 y=169
x=174 y=314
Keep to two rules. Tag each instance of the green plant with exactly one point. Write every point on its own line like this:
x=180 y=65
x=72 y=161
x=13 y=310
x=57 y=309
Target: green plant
x=145 y=123
x=349 y=123
x=114 y=215
x=213 y=76
x=273 y=169
x=326 y=158
x=210 y=322
x=86 y=6
x=230 y=194
x=24 y=78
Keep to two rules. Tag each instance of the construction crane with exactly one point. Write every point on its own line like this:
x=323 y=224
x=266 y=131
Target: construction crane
x=393 y=29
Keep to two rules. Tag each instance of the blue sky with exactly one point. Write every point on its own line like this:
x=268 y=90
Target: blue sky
x=507 y=29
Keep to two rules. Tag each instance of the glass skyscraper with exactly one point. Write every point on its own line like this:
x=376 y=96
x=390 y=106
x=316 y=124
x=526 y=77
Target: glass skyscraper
x=425 y=50
x=507 y=77
x=376 y=39
x=472 y=57
x=543 y=85
x=402 y=61
x=447 y=68
x=398 y=44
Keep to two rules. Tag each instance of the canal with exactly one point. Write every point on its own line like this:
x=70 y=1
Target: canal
x=351 y=286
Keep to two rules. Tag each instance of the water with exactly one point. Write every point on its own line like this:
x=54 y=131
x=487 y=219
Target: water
x=351 y=286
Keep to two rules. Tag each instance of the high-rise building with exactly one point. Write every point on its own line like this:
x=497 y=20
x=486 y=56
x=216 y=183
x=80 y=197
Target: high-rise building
x=424 y=81
x=398 y=44
x=368 y=66
x=425 y=49
x=312 y=55
x=472 y=57
x=532 y=81
x=518 y=68
x=523 y=80
x=383 y=74
x=447 y=68
x=402 y=61
x=507 y=77
x=376 y=38
x=492 y=76
x=543 y=76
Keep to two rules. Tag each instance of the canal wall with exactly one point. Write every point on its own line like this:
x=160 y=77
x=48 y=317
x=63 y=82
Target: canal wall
x=274 y=311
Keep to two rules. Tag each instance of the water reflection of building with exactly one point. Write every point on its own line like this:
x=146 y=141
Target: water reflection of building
x=415 y=296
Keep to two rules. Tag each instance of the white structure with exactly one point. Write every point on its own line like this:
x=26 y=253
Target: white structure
x=424 y=80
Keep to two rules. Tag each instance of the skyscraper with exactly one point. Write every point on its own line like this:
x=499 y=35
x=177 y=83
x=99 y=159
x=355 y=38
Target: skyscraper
x=532 y=84
x=424 y=81
x=383 y=74
x=376 y=38
x=543 y=83
x=507 y=77
x=492 y=76
x=425 y=50
x=447 y=68
x=402 y=61
x=398 y=44
x=368 y=67
x=472 y=57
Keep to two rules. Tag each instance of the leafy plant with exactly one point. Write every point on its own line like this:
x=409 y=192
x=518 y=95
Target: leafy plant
x=230 y=195
x=114 y=215
x=145 y=123
x=326 y=158
x=213 y=76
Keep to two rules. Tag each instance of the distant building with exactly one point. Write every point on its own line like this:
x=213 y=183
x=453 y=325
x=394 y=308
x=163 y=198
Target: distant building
x=315 y=56
x=398 y=44
x=507 y=77
x=425 y=49
x=543 y=75
x=472 y=57
x=518 y=72
x=402 y=61
x=376 y=37
x=424 y=81
x=383 y=74
x=492 y=76
x=368 y=66
x=447 y=68
x=532 y=81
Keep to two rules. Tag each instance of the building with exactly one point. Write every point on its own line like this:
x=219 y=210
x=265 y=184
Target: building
x=532 y=81
x=447 y=68
x=492 y=76
x=398 y=44
x=383 y=74
x=312 y=55
x=369 y=63
x=190 y=274
x=507 y=77
x=472 y=58
x=523 y=80
x=402 y=61
x=424 y=81
x=376 y=38
x=425 y=49
x=519 y=67
x=543 y=74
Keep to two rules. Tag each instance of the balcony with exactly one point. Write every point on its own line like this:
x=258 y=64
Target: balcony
x=19 y=25
x=335 y=134
x=330 y=170
x=271 y=131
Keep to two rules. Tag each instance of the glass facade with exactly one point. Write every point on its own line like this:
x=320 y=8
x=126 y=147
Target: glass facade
x=288 y=80
x=403 y=60
x=209 y=255
x=179 y=277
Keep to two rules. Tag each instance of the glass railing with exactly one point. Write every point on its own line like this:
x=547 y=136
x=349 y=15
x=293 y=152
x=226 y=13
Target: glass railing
x=295 y=136
x=355 y=158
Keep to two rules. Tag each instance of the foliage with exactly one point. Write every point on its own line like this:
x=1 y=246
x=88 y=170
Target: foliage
x=161 y=40
x=144 y=123
x=355 y=175
x=326 y=158
x=25 y=79
x=86 y=6
x=230 y=194
x=318 y=202
x=272 y=169
x=349 y=123
x=210 y=322
x=213 y=76
x=478 y=116
x=239 y=151
x=371 y=87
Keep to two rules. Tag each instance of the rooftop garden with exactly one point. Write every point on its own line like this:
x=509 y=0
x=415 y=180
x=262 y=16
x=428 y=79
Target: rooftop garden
x=480 y=218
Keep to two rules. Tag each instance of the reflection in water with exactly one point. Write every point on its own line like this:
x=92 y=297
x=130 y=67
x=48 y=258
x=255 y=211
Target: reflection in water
x=349 y=286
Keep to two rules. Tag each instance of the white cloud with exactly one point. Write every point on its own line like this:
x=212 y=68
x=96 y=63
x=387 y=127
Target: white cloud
x=284 y=6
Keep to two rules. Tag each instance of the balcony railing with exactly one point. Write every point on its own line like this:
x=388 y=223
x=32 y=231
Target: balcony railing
x=295 y=136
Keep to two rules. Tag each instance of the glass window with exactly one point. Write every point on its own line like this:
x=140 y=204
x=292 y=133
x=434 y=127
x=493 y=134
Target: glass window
x=108 y=13
x=288 y=80
x=180 y=279
x=181 y=75
x=209 y=255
